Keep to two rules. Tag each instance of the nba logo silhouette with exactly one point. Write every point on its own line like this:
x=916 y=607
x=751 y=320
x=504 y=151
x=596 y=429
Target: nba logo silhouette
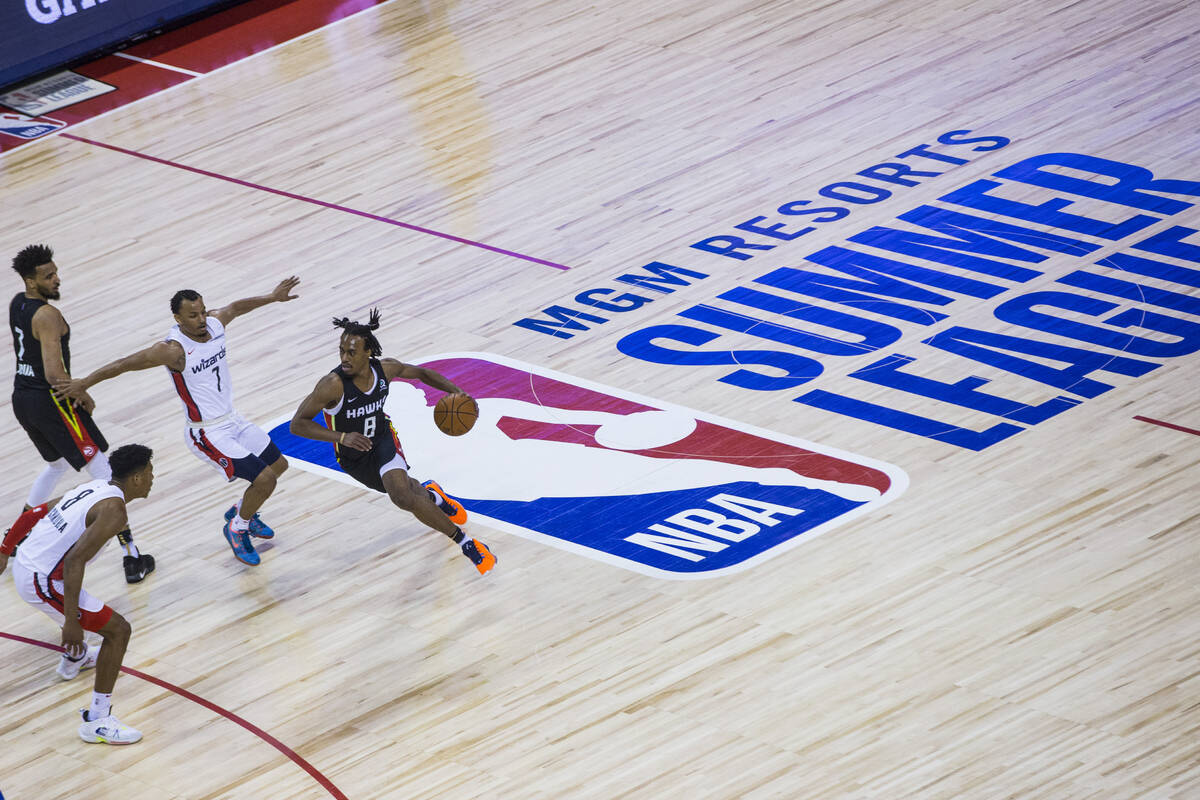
x=621 y=478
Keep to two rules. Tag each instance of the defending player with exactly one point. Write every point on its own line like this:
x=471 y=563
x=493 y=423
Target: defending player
x=62 y=431
x=48 y=573
x=194 y=354
x=352 y=398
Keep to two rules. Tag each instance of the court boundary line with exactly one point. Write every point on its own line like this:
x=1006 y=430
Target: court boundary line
x=292 y=755
x=293 y=196
x=1170 y=425
x=160 y=65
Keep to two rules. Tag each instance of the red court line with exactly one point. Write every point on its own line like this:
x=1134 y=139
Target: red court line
x=1168 y=425
x=314 y=201
x=257 y=731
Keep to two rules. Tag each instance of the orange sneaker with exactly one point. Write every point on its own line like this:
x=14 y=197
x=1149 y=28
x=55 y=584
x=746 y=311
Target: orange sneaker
x=453 y=509
x=479 y=554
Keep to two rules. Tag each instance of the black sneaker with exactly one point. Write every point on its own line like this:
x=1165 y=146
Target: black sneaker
x=138 y=567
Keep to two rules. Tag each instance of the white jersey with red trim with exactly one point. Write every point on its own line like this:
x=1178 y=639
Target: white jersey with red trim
x=204 y=386
x=43 y=551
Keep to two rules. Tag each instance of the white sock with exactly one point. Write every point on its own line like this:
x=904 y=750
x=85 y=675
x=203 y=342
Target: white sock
x=101 y=706
x=99 y=468
x=439 y=501
x=125 y=539
x=43 y=484
x=237 y=523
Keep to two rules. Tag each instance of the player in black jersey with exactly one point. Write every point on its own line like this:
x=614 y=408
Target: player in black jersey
x=352 y=398
x=63 y=432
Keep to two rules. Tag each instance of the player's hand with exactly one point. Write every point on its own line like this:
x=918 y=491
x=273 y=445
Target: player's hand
x=87 y=403
x=355 y=441
x=71 y=388
x=283 y=292
x=72 y=638
x=3 y=562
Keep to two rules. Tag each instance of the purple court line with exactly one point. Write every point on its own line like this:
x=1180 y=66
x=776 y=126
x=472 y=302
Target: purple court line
x=315 y=202
x=1168 y=425
x=257 y=731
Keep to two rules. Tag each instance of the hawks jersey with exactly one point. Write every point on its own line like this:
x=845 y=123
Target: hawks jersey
x=31 y=373
x=47 y=545
x=359 y=411
x=204 y=386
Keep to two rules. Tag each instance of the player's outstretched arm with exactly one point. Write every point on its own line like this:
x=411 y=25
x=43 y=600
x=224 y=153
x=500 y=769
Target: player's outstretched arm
x=393 y=369
x=104 y=521
x=281 y=294
x=160 y=354
x=327 y=394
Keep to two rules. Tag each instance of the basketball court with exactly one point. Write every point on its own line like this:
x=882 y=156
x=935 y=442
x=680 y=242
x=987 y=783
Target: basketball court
x=836 y=367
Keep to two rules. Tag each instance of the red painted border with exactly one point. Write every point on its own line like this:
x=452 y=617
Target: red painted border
x=208 y=44
x=257 y=731
x=1168 y=425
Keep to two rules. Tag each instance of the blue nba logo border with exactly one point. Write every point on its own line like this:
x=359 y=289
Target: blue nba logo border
x=756 y=510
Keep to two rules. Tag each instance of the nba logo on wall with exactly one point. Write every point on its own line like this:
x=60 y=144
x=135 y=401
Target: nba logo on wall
x=621 y=478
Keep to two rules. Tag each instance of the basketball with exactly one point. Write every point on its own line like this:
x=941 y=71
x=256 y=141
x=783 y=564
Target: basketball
x=455 y=414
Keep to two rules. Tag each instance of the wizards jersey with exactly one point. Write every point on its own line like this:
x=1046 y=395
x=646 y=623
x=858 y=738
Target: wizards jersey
x=204 y=385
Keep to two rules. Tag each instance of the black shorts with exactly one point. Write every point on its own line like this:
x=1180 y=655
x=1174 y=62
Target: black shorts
x=56 y=428
x=365 y=467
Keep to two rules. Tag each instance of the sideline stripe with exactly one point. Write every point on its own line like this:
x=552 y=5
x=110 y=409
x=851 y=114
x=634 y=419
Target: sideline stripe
x=158 y=64
x=314 y=201
x=257 y=731
x=1168 y=425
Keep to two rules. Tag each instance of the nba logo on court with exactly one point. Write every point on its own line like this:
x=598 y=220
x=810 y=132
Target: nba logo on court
x=621 y=478
x=24 y=127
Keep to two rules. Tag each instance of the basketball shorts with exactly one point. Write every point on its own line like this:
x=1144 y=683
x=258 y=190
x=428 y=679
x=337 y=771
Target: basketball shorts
x=237 y=448
x=46 y=595
x=57 y=428
x=368 y=468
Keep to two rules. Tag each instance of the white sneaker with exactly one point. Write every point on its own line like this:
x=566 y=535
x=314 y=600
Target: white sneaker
x=68 y=669
x=109 y=730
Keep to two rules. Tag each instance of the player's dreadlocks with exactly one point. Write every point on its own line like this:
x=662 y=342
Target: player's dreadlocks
x=358 y=329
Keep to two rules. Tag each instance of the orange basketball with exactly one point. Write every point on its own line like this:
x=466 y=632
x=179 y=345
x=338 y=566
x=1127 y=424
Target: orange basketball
x=455 y=414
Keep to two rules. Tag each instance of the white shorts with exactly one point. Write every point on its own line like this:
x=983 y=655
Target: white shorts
x=47 y=596
x=237 y=448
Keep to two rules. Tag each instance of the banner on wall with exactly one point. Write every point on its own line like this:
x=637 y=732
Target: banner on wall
x=38 y=35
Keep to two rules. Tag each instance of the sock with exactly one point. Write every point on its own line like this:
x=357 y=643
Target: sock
x=125 y=538
x=459 y=537
x=439 y=501
x=237 y=523
x=99 y=468
x=75 y=660
x=43 y=484
x=101 y=706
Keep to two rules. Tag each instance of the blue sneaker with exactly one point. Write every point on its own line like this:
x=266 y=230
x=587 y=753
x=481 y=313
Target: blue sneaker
x=242 y=549
x=258 y=528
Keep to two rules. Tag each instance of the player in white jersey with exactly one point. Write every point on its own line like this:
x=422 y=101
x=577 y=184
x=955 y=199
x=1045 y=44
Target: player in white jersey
x=194 y=354
x=48 y=573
